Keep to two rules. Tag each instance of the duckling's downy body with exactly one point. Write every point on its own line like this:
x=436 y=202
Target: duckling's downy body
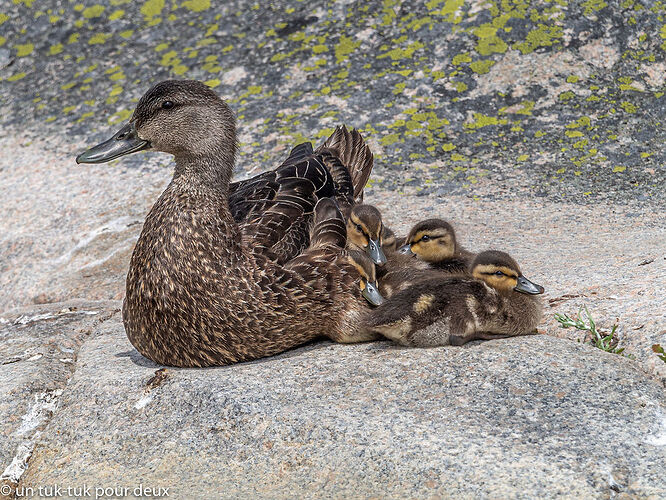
x=203 y=290
x=434 y=241
x=495 y=302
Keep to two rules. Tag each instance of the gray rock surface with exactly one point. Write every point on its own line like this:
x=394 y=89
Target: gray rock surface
x=527 y=417
x=533 y=128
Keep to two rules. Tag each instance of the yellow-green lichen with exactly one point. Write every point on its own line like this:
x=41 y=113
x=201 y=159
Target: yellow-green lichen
x=94 y=11
x=482 y=67
x=197 y=5
x=489 y=43
x=542 y=36
x=55 y=49
x=98 y=38
x=481 y=120
x=591 y=6
x=628 y=107
x=23 y=50
x=344 y=47
x=152 y=8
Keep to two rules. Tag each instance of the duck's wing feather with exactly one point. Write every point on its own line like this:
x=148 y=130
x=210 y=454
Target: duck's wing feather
x=318 y=265
x=282 y=230
x=354 y=154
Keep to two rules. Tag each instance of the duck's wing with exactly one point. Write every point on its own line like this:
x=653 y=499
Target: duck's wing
x=318 y=265
x=280 y=227
x=353 y=153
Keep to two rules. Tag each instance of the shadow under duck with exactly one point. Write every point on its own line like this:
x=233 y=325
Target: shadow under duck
x=203 y=289
x=496 y=301
x=434 y=241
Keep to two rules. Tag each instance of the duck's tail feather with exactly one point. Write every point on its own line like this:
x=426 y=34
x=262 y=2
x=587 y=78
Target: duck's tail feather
x=354 y=154
x=329 y=225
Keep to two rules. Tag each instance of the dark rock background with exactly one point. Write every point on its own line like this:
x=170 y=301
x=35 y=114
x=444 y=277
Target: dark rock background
x=535 y=127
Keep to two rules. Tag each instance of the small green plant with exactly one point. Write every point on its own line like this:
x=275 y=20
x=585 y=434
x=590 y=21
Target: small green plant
x=661 y=354
x=608 y=343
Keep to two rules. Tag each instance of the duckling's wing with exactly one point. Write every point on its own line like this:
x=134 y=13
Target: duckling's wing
x=354 y=154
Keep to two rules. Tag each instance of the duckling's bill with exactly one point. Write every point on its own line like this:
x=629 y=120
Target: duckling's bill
x=123 y=142
x=371 y=294
x=375 y=252
x=526 y=286
x=406 y=249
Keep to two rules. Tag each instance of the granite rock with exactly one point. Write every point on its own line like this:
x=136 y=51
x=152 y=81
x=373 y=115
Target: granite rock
x=522 y=418
x=534 y=127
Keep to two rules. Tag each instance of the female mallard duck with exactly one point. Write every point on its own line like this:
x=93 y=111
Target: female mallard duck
x=495 y=301
x=204 y=290
x=434 y=241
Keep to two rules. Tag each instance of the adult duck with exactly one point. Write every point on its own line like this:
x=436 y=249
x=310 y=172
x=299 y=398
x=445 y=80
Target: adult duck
x=205 y=290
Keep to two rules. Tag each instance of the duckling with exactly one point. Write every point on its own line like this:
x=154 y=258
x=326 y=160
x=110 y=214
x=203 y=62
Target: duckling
x=367 y=271
x=205 y=290
x=364 y=231
x=496 y=301
x=434 y=241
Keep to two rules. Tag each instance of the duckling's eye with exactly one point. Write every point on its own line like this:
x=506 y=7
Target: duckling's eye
x=167 y=105
x=425 y=237
x=499 y=273
x=359 y=228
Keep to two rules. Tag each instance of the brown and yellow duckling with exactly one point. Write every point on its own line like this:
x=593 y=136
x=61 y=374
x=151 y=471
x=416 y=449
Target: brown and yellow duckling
x=368 y=276
x=206 y=286
x=365 y=231
x=496 y=301
x=434 y=241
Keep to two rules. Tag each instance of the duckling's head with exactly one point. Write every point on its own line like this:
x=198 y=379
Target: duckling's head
x=432 y=240
x=366 y=268
x=182 y=117
x=499 y=270
x=364 y=231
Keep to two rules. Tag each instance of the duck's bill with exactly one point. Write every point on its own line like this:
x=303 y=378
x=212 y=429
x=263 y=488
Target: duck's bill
x=124 y=142
x=406 y=250
x=526 y=286
x=372 y=295
x=375 y=251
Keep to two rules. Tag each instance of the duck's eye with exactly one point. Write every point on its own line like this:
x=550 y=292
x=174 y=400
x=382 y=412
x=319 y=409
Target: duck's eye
x=499 y=273
x=167 y=105
x=425 y=237
x=359 y=228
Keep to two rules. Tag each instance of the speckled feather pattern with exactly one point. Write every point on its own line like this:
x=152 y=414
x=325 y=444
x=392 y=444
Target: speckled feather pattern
x=203 y=290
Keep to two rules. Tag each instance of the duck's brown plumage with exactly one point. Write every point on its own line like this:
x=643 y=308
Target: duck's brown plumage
x=456 y=309
x=203 y=290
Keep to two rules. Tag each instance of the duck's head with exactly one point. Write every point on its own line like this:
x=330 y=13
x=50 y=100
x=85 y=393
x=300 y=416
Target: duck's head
x=364 y=230
x=366 y=268
x=182 y=117
x=499 y=271
x=432 y=240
